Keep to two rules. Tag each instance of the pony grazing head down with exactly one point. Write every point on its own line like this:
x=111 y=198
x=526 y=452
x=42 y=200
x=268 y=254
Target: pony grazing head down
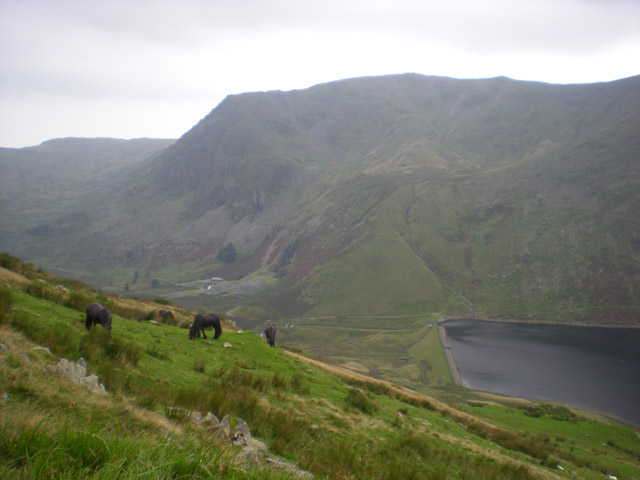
x=194 y=331
x=270 y=332
x=202 y=321
x=96 y=313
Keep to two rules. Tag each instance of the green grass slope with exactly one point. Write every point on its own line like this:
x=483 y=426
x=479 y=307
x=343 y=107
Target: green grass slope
x=329 y=420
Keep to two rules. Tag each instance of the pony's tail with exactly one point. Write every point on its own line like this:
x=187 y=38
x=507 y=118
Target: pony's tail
x=217 y=328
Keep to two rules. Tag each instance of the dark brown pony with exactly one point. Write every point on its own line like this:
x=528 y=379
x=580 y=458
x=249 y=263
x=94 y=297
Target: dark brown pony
x=270 y=332
x=202 y=321
x=96 y=313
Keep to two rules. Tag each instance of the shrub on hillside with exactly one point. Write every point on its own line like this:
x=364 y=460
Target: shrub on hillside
x=5 y=303
x=228 y=254
x=10 y=262
x=16 y=265
x=78 y=301
x=557 y=412
x=42 y=291
x=76 y=285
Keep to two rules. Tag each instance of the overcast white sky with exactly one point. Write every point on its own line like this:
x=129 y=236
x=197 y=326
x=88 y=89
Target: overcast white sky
x=154 y=68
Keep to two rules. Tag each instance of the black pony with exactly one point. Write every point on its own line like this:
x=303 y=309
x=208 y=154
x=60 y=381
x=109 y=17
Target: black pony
x=270 y=333
x=96 y=313
x=202 y=321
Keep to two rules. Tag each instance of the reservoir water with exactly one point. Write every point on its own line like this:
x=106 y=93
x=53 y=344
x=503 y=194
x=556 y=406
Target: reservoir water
x=591 y=367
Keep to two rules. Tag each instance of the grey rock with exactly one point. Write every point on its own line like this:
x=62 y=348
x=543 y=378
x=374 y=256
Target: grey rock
x=238 y=435
x=211 y=419
x=241 y=436
x=254 y=457
x=224 y=428
x=77 y=373
x=257 y=444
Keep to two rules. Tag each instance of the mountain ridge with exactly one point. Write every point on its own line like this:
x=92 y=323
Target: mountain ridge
x=397 y=194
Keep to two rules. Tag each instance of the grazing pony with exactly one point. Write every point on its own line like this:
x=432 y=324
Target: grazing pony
x=96 y=313
x=165 y=314
x=270 y=333
x=202 y=321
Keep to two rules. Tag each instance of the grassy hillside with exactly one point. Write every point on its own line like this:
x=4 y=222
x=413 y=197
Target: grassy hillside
x=329 y=420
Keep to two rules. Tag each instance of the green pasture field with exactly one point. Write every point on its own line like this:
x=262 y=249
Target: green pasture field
x=326 y=419
x=404 y=350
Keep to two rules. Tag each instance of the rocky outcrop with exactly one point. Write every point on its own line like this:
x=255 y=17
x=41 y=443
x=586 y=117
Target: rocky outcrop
x=255 y=457
x=77 y=373
x=235 y=431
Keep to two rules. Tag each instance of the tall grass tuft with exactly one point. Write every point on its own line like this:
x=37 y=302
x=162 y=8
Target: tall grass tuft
x=298 y=385
x=416 y=402
x=62 y=340
x=156 y=353
x=359 y=399
x=101 y=453
x=374 y=387
x=124 y=311
x=162 y=301
x=99 y=340
x=524 y=443
x=199 y=366
x=41 y=291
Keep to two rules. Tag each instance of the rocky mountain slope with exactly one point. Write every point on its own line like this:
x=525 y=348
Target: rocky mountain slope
x=388 y=196
x=49 y=190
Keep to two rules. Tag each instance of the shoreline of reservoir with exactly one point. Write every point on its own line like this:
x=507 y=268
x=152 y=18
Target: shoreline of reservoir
x=515 y=359
x=451 y=362
x=453 y=368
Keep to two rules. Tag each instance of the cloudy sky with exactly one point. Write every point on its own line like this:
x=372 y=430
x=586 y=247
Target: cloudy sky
x=154 y=68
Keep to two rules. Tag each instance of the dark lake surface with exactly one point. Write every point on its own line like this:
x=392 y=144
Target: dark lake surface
x=591 y=367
